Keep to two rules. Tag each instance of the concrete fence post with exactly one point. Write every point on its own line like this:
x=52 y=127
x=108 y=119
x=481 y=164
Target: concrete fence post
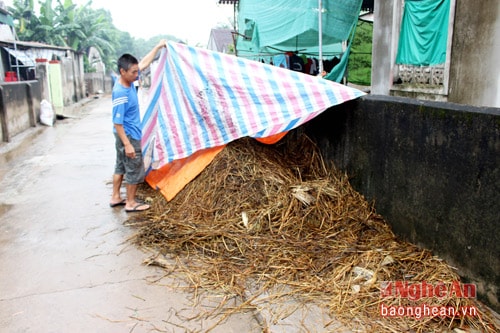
x=3 y=117
x=42 y=75
x=31 y=108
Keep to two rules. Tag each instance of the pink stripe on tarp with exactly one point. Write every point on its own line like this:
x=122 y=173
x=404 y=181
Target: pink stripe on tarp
x=151 y=122
x=170 y=117
x=345 y=95
x=215 y=134
x=273 y=108
x=148 y=131
x=292 y=98
x=161 y=147
x=190 y=72
x=275 y=130
x=158 y=73
x=232 y=84
x=311 y=116
x=317 y=94
x=241 y=94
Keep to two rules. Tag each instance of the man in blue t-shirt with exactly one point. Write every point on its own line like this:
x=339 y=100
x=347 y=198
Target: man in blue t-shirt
x=127 y=130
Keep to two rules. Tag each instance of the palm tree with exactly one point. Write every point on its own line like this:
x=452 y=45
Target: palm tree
x=95 y=30
x=63 y=18
x=23 y=12
x=77 y=27
x=47 y=31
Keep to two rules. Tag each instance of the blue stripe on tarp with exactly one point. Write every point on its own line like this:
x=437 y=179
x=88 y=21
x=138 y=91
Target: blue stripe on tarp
x=213 y=119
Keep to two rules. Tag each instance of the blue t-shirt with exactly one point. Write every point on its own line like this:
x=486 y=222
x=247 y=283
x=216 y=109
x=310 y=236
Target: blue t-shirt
x=126 y=110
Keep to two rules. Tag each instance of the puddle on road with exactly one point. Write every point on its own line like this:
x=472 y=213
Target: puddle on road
x=23 y=146
x=19 y=148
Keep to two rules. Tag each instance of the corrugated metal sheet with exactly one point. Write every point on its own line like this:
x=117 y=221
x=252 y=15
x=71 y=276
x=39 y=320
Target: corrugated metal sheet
x=220 y=39
x=22 y=56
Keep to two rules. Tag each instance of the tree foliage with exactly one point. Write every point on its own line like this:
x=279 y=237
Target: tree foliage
x=63 y=23
x=360 y=59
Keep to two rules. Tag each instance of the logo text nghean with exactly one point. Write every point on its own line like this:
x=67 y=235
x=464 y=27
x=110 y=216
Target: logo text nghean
x=417 y=290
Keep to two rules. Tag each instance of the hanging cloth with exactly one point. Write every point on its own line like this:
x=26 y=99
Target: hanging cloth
x=424 y=33
x=338 y=72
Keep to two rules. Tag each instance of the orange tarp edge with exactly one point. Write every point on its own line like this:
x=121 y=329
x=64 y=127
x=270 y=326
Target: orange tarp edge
x=173 y=177
x=272 y=139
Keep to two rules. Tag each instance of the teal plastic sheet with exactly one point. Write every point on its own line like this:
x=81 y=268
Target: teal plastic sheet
x=338 y=72
x=6 y=19
x=273 y=26
x=424 y=32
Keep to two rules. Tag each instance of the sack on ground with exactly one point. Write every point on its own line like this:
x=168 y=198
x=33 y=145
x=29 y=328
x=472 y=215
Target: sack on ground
x=46 y=113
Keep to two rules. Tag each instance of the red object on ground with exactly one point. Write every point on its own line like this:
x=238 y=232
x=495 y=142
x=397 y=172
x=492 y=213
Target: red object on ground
x=10 y=76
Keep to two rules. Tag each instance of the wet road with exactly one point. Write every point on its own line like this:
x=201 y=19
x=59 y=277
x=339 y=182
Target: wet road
x=66 y=265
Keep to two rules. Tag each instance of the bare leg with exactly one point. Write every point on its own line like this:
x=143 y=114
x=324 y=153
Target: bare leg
x=117 y=183
x=133 y=205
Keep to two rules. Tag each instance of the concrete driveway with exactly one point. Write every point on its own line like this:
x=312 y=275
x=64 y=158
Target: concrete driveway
x=65 y=262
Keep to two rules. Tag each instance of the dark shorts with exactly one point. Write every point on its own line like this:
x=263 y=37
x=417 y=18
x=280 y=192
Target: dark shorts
x=131 y=168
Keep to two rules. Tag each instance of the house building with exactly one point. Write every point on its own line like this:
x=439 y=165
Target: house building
x=221 y=40
x=469 y=73
x=31 y=72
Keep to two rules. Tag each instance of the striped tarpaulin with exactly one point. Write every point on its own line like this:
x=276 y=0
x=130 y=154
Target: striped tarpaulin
x=200 y=99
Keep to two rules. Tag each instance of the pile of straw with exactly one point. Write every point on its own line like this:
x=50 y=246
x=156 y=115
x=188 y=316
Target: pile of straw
x=265 y=216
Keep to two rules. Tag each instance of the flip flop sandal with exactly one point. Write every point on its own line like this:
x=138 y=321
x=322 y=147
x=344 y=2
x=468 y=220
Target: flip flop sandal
x=121 y=203
x=135 y=209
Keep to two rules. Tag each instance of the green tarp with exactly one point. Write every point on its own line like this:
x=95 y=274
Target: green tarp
x=424 y=32
x=273 y=26
x=6 y=19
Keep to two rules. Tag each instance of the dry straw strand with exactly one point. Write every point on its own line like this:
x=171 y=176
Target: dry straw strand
x=314 y=241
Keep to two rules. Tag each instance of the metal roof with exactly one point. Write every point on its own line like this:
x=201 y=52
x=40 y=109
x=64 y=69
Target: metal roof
x=28 y=45
x=222 y=38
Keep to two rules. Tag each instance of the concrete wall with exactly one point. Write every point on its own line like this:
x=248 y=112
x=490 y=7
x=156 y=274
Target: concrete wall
x=69 y=94
x=433 y=171
x=19 y=107
x=20 y=101
x=71 y=81
x=384 y=46
x=95 y=83
x=99 y=83
x=472 y=64
x=79 y=82
x=474 y=73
